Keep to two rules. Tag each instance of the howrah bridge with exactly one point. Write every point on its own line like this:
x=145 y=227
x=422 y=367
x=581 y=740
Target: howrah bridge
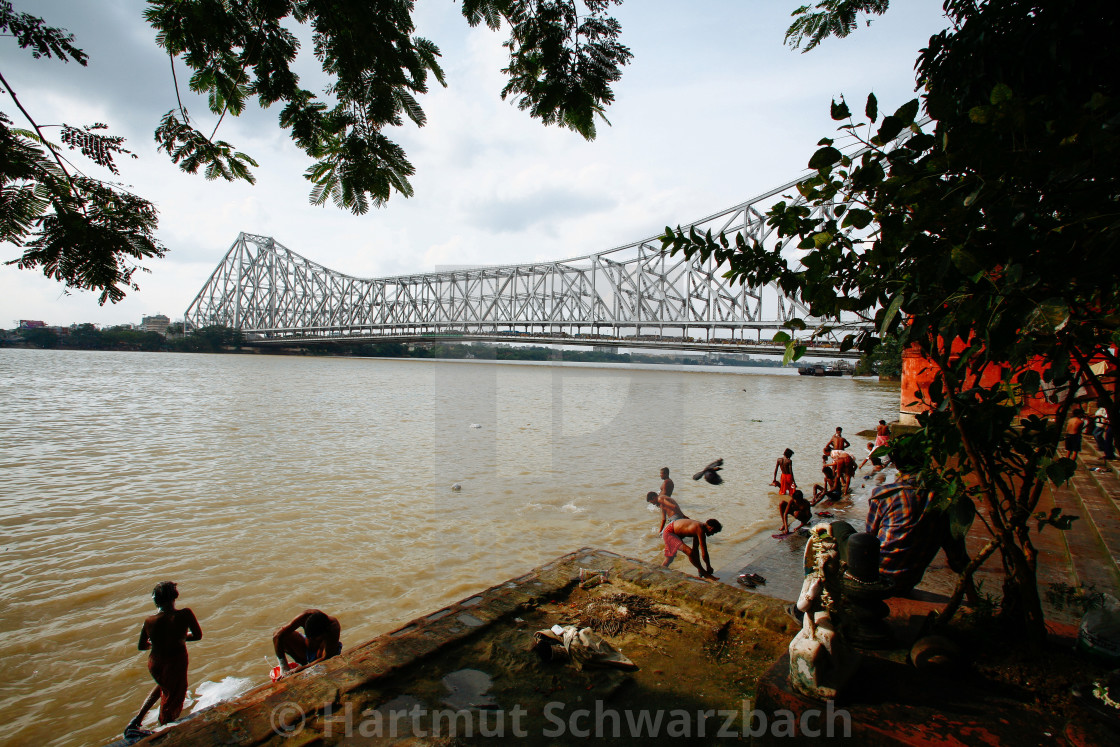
x=632 y=296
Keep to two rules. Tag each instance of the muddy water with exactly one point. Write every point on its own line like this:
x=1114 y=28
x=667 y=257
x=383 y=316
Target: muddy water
x=266 y=485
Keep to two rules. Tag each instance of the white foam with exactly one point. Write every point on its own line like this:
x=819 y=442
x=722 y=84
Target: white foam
x=572 y=508
x=211 y=693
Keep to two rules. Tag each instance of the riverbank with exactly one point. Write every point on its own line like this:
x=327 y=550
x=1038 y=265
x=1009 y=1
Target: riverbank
x=1086 y=557
x=469 y=669
x=704 y=654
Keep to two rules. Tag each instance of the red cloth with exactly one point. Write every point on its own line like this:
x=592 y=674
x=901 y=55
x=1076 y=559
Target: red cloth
x=673 y=543
x=786 y=485
x=170 y=673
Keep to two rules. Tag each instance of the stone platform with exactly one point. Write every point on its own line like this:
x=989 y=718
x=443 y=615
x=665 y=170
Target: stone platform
x=466 y=673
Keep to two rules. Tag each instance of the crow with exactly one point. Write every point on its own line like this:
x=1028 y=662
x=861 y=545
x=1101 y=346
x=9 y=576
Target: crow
x=711 y=473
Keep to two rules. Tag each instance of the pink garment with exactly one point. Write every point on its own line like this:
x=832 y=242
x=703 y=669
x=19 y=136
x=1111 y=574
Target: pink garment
x=673 y=543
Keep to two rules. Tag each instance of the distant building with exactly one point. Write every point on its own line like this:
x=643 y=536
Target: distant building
x=157 y=323
x=31 y=324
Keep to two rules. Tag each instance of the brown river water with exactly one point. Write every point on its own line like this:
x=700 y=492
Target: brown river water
x=266 y=485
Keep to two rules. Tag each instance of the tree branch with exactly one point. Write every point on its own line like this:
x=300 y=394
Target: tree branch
x=47 y=143
x=964 y=583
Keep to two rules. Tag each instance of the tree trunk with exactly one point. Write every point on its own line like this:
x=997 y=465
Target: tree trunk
x=1021 y=610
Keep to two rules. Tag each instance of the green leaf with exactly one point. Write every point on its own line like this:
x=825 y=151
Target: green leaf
x=936 y=390
x=1000 y=94
x=961 y=513
x=1060 y=470
x=889 y=314
x=1051 y=314
x=964 y=261
x=872 y=110
x=840 y=111
x=858 y=218
x=972 y=197
x=824 y=158
x=1030 y=381
x=782 y=337
x=889 y=129
x=906 y=113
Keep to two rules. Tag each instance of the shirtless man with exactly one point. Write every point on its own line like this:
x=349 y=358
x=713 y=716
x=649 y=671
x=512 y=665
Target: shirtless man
x=1074 y=427
x=843 y=467
x=670 y=509
x=675 y=534
x=797 y=507
x=825 y=492
x=319 y=640
x=838 y=442
x=882 y=433
x=785 y=466
x=876 y=462
x=164 y=636
x=666 y=483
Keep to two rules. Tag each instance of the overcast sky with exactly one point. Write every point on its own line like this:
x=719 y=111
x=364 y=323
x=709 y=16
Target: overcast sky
x=712 y=110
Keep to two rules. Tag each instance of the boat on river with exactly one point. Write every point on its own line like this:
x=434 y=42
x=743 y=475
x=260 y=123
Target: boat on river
x=821 y=370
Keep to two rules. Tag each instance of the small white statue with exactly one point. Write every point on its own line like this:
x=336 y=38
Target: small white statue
x=820 y=661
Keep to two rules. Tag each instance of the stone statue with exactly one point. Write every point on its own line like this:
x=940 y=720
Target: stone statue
x=820 y=660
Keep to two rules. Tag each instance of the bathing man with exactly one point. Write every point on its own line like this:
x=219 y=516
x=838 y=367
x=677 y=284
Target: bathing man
x=838 y=442
x=319 y=640
x=670 y=509
x=164 y=636
x=675 y=534
x=666 y=483
x=785 y=464
x=796 y=507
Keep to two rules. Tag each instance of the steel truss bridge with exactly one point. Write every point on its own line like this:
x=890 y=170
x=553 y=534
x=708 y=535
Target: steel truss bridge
x=632 y=296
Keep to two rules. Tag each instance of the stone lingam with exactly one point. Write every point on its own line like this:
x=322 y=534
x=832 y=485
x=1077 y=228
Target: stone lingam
x=863 y=612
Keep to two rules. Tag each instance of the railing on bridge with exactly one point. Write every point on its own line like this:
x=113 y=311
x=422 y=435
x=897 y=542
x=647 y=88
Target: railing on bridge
x=274 y=294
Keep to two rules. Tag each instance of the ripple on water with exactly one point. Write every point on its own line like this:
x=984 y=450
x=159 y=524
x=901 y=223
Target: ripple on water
x=267 y=485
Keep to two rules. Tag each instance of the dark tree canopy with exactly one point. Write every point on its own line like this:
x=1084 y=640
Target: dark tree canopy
x=84 y=232
x=988 y=241
x=814 y=24
x=564 y=56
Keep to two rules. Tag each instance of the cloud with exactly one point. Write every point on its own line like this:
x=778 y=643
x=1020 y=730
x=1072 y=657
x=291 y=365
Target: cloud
x=520 y=212
x=712 y=111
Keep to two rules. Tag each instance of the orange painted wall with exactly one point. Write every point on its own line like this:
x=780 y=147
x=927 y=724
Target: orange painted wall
x=918 y=372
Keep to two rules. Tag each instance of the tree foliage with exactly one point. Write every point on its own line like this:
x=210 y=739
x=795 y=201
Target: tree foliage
x=89 y=234
x=987 y=241
x=814 y=24
x=564 y=56
x=85 y=232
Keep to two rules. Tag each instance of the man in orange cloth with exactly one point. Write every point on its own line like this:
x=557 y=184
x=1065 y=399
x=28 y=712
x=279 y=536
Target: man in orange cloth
x=785 y=466
x=165 y=635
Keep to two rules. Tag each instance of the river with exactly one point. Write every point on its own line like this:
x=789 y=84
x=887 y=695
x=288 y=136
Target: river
x=265 y=485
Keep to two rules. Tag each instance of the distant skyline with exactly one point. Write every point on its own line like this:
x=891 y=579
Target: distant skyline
x=712 y=110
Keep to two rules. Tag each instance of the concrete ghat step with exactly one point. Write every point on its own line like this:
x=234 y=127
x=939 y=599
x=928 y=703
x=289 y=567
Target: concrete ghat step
x=1096 y=560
